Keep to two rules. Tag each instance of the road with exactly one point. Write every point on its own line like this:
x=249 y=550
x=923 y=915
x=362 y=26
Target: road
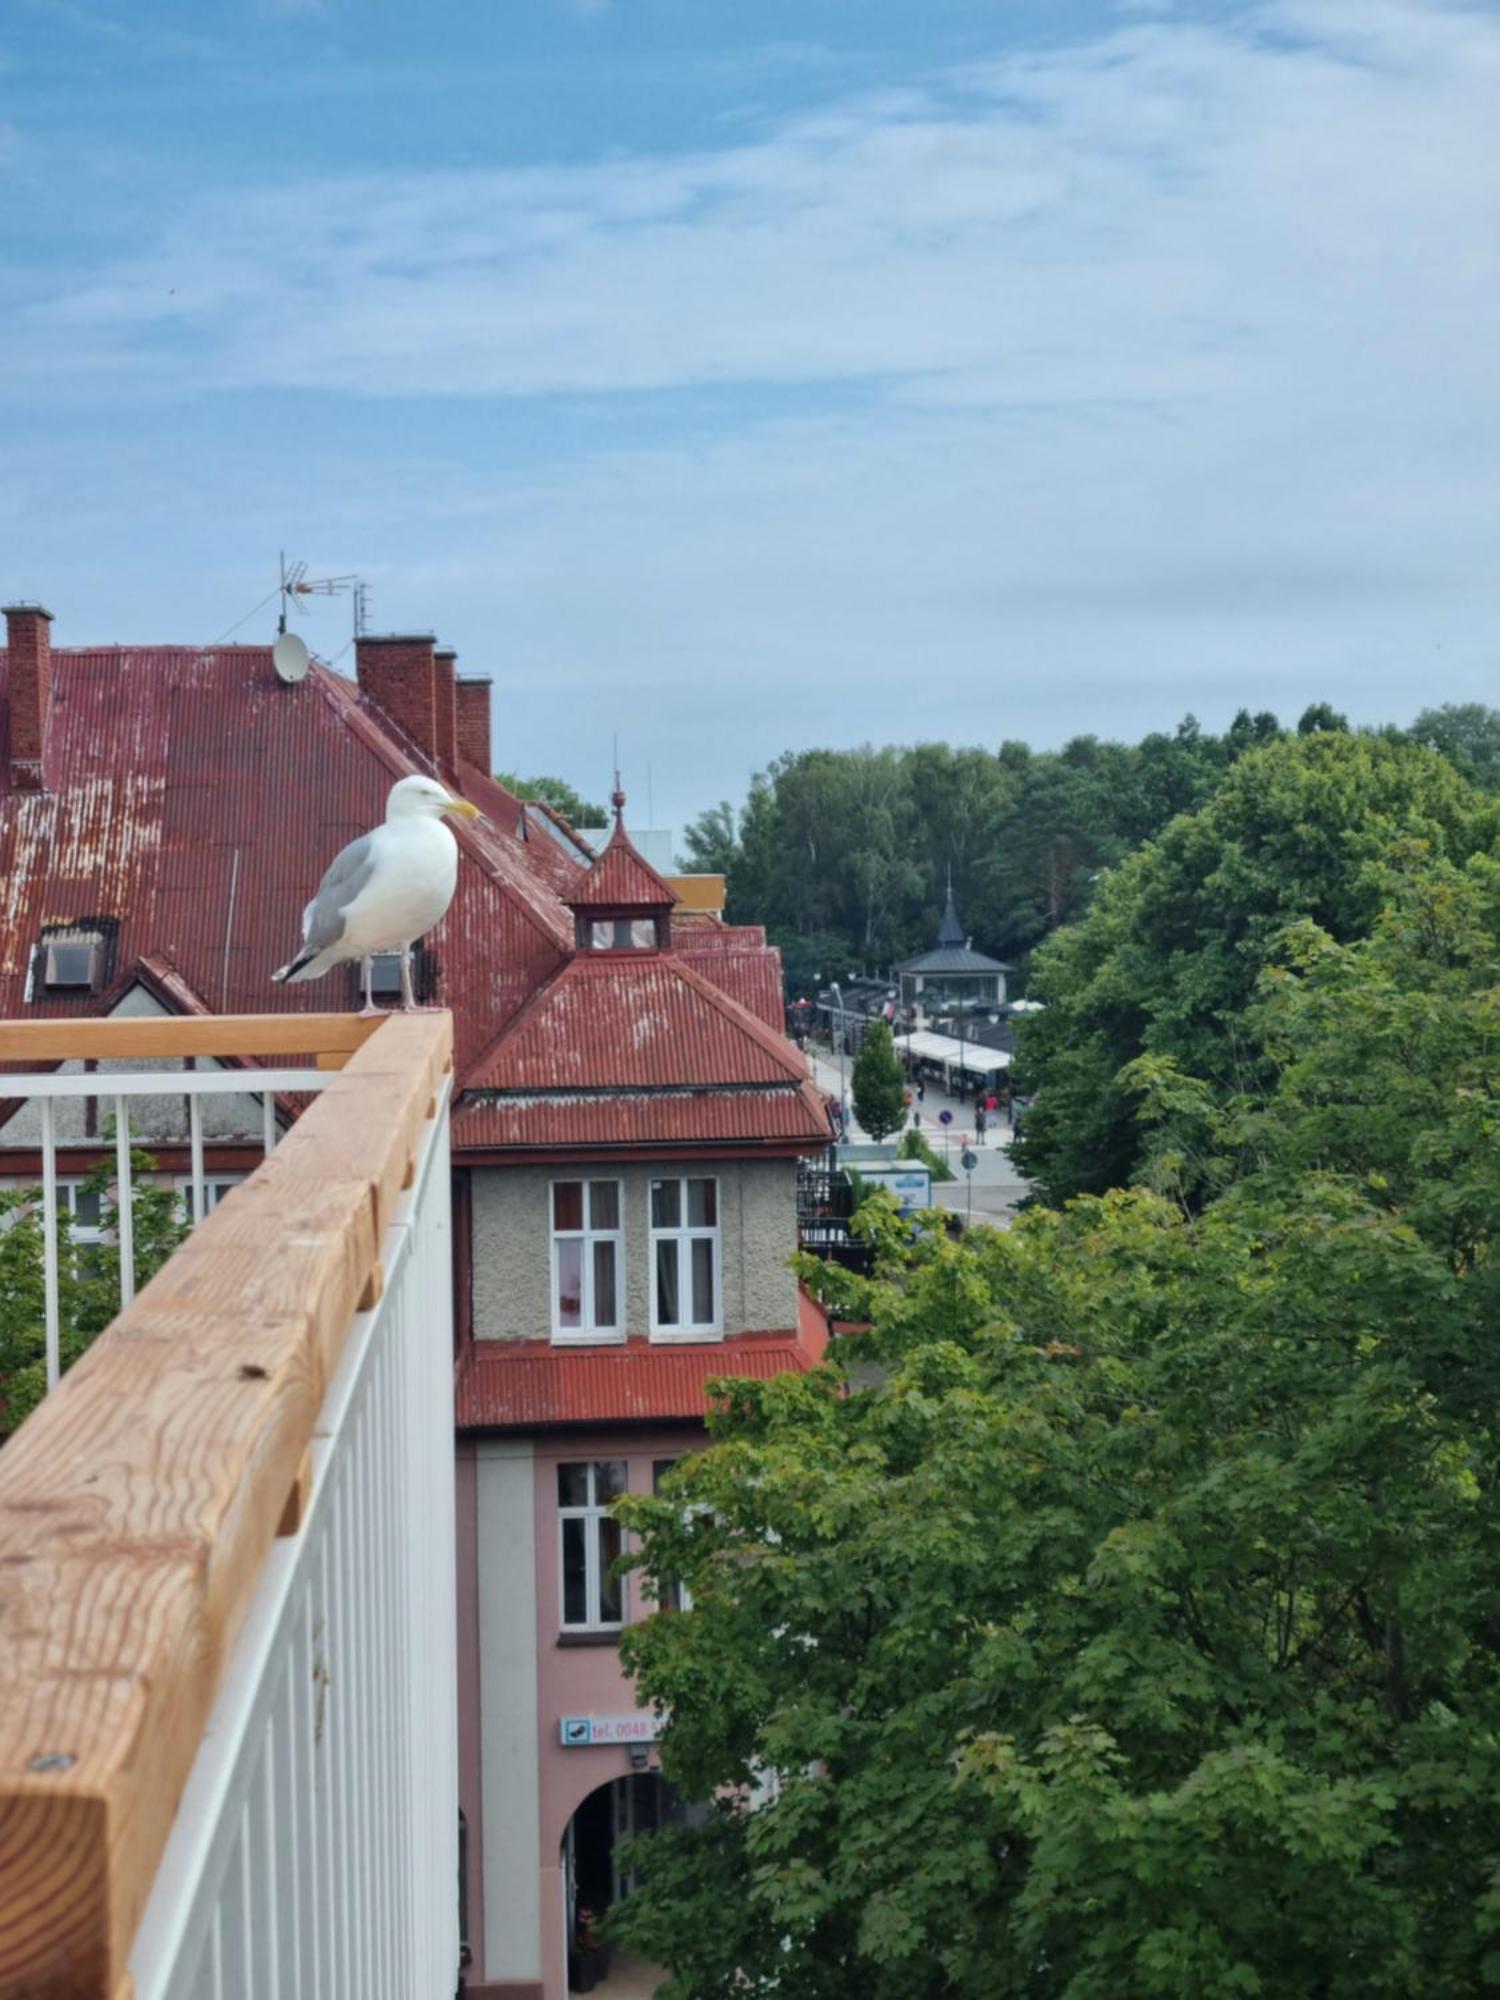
x=993 y=1192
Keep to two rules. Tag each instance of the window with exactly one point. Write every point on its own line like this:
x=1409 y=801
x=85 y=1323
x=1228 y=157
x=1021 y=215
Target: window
x=593 y=1600
x=84 y=1208
x=588 y=1260
x=214 y=1190
x=675 y=1595
x=385 y=973
x=622 y=934
x=70 y=961
x=685 y=1257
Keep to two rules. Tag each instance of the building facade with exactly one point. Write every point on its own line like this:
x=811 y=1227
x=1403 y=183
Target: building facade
x=628 y=1117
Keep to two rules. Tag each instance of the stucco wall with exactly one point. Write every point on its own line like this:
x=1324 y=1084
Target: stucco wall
x=512 y=1245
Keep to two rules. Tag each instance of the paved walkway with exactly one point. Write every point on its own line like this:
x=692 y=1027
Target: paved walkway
x=995 y=1189
x=629 y=1979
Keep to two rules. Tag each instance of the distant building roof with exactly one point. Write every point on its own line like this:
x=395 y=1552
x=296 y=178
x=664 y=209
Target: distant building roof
x=530 y=1384
x=953 y=952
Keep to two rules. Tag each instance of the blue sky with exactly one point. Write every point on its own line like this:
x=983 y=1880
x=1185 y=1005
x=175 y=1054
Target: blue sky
x=734 y=375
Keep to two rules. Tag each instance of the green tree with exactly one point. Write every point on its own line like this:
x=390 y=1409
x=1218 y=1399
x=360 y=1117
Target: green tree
x=1166 y=959
x=557 y=793
x=88 y=1276
x=1468 y=735
x=877 y=1086
x=1128 y=1628
x=711 y=842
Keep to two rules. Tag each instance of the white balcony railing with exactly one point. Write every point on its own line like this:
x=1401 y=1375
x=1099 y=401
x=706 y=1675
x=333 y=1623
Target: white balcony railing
x=227 y=1681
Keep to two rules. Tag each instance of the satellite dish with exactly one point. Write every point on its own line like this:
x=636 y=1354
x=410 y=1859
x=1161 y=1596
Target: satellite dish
x=289 y=658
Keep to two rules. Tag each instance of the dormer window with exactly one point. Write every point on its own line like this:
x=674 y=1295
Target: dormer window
x=385 y=974
x=70 y=960
x=623 y=934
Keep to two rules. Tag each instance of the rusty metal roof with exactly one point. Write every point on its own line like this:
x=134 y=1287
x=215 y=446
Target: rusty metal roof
x=753 y=977
x=631 y=1047
x=618 y=1018
x=531 y=1385
x=779 y=1118
x=193 y=802
x=622 y=879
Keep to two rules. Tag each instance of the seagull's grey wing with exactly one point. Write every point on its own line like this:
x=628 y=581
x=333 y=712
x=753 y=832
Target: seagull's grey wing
x=348 y=872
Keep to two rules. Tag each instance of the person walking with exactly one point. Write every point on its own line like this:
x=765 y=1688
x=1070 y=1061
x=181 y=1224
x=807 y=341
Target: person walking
x=980 y=1123
x=921 y=1090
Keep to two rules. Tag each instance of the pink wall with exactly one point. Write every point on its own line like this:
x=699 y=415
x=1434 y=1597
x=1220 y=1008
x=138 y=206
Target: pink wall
x=580 y=1680
x=470 y=1734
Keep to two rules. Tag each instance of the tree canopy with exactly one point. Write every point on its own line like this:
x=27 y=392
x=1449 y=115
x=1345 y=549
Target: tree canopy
x=557 y=793
x=844 y=854
x=1165 y=960
x=88 y=1276
x=878 y=1086
x=1117 y=1616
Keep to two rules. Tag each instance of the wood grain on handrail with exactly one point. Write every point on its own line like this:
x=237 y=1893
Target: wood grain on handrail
x=138 y=1504
x=187 y=1035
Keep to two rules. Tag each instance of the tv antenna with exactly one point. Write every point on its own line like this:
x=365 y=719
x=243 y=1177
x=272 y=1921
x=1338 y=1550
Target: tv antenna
x=296 y=585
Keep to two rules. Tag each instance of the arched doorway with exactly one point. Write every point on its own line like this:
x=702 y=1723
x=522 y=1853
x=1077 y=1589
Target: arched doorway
x=595 y=1878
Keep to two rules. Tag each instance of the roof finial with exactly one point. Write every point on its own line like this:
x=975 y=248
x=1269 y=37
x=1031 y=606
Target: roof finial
x=617 y=800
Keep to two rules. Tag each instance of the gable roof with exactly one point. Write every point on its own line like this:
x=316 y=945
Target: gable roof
x=193 y=802
x=615 y=1040
x=622 y=878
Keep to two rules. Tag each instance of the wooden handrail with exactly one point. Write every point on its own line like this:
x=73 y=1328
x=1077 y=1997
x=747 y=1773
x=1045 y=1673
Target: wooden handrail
x=138 y=1503
x=330 y=1036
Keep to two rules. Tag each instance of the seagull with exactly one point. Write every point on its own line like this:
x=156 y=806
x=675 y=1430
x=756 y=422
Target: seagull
x=385 y=890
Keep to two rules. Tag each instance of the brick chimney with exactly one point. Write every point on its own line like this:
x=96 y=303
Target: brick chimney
x=445 y=669
x=28 y=690
x=474 y=724
x=397 y=672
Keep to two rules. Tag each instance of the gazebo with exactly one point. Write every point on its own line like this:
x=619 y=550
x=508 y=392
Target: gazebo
x=952 y=981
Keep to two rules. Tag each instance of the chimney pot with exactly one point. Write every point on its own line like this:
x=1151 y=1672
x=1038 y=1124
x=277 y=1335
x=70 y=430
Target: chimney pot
x=445 y=671
x=396 y=671
x=28 y=691
x=474 y=724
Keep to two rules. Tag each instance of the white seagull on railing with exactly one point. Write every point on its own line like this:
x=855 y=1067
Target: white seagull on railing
x=385 y=890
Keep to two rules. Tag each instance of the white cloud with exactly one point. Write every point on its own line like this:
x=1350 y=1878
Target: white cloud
x=1067 y=390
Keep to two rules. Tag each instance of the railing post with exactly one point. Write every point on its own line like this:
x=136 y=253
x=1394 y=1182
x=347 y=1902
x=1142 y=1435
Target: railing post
x=49 y=1241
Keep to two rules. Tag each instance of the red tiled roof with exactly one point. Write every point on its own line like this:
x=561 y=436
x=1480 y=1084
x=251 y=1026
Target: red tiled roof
x=530 y=1384
x=622 y=879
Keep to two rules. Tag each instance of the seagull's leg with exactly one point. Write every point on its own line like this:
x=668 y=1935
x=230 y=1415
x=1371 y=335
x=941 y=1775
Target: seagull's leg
x=367 y=981
x=408 y=997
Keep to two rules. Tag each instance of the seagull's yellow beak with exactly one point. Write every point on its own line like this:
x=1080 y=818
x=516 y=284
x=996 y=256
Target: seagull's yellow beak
x=461 y=809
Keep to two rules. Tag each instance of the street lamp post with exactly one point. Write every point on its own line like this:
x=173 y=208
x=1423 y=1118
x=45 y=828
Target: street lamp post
x=838 y=993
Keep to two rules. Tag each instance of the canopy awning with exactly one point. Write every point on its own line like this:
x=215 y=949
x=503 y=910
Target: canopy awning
x=926 y=1046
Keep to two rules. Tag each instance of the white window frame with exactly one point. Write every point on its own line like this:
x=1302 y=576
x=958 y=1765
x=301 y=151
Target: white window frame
x=215 y=1187
x=593 y=1513
x=84 y=1235
x=589 y=1334
x=676 y=1596
x=684 y=1236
